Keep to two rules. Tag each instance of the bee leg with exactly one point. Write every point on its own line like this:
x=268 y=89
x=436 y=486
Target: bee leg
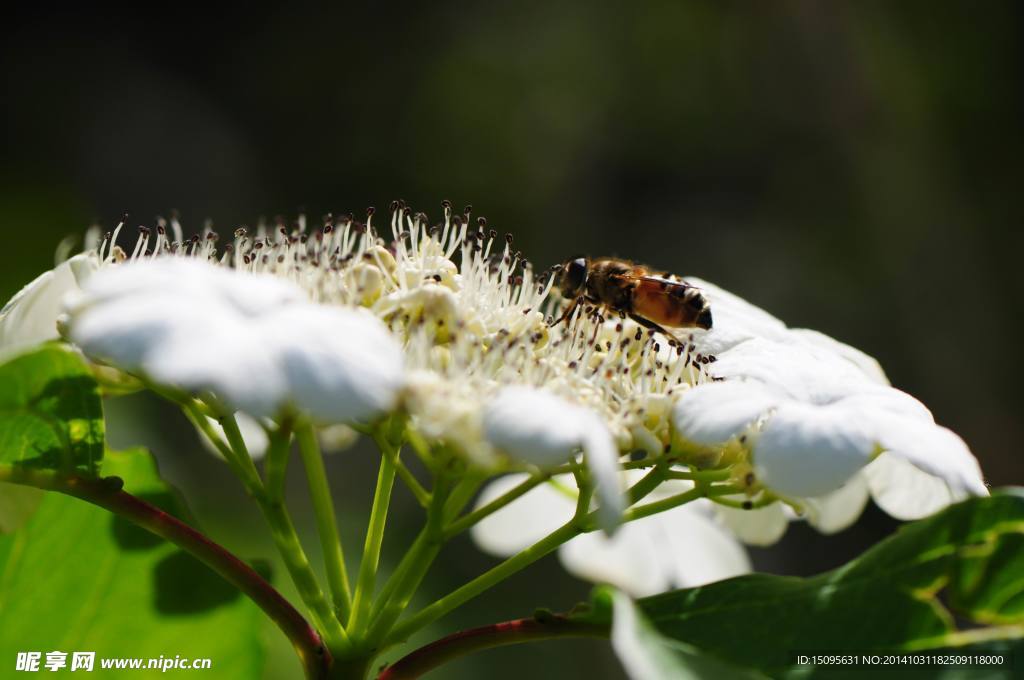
x=597 y=329
x=568 y=311
x=647 y=323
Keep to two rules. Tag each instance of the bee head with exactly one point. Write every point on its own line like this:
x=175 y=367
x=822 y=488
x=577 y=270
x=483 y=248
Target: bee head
x=572 y=276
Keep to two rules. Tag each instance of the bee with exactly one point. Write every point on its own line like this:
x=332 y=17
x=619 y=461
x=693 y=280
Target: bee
x=654 y=301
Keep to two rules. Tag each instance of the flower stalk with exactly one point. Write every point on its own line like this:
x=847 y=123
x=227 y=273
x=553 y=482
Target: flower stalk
x=374 y=537
x=429 y=657
x=323 y=508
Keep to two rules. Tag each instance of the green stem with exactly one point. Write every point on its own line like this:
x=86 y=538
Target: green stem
x=108 y=494
x=414 y=567
x=462 y=494
x=466 y=521
x=410 y=481
x=429 y=657
x=579 y=524
x=421 y=447
x=237 y=443
x=295 y=561
x=275 y=466
x=654 y=508
x=700 y=475
x=416 y=553
x=323 y=509
x=374 y=538
x=646 y=485
x=485 y=581
x=250 y=479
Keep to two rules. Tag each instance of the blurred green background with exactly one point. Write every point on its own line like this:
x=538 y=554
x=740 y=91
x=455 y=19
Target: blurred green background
x=851 y=167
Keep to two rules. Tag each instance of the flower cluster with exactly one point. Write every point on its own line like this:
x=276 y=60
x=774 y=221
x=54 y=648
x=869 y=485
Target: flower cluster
x=451 y=326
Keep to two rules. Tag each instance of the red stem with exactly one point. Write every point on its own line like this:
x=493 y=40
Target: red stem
x=464 y=642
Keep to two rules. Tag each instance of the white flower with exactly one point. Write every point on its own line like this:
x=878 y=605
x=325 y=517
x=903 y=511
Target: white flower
x=683 y=547
x=30 y=317
x=254 y=341
x=814 y=413
x=283 y=318
x=540 y=428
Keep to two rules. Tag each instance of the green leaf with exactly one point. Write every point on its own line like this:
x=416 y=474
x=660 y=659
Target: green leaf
x=51 y=416
x=646 y=654
x=17 y=503
x=76 y=578
x=927 y=587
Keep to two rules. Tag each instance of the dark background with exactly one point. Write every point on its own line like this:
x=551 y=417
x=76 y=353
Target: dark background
x=851 y=167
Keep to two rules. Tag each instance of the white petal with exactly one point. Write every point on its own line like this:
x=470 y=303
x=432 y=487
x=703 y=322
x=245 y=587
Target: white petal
x=541 y=428
x=255 y=342
x=255 y=294
x=795 y=368
x=628 y=560
x=340 y=365
x=762 y=526
x=935 y=450
x=227 y=359
x=679 y=548
x=865 y=362
x=735 y=320
x=534 y=425
x=30 y=317
x=602 y=458
x=924 y=469
x=905 y=492
x=126 y=333
x=640 y=648
x=837 y=510
x=525 y=520
x=242 y=292
x=808 y=450
x=890 y=401
x=713 y=413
